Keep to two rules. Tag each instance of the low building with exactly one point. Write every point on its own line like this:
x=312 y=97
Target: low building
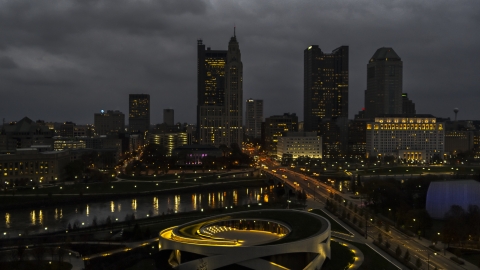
x=169 y=140
x=416 y=138
x=193 y=154
x=300 y=144
x=29 y=166
x=60 y=144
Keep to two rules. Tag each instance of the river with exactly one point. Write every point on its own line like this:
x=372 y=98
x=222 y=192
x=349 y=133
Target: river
x=36 y=220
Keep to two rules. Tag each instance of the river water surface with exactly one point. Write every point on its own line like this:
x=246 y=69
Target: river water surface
x=36 y=220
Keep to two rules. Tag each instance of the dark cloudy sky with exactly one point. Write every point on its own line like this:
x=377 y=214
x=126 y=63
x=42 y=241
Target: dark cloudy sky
x=65 y=60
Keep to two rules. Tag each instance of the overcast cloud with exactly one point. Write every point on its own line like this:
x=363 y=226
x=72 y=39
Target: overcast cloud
x=65 y=60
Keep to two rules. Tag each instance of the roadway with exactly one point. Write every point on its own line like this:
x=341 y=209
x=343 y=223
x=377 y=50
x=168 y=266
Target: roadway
x=418 y=248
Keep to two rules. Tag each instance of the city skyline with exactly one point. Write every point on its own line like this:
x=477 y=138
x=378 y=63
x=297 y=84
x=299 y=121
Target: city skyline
x=68 y=62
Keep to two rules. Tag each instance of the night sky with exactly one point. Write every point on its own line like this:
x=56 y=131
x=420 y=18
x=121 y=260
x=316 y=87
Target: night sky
x=66 y=60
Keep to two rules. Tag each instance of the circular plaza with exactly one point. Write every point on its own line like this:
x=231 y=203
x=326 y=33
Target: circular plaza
x=260 y=239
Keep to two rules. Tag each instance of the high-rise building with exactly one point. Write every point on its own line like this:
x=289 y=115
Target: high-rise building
x=254 y=118
x=139 y=113
x=110 y=122
x=384 y=84
x=325 y=85
x=168 y=117
x=408 y=107
x=220 y=94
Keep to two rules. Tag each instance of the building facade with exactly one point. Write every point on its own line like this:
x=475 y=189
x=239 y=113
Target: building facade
x=275 y=127
x=25 y=133
x=110 y=122
x=139 y=113
x=300 y=144
x=384 y=83
x=325 y=85
x=220 y=94
x=408 y=107
x=254 y=118
x=29 y=166
x=169 y=140
x=169 y=117
x=416 y=138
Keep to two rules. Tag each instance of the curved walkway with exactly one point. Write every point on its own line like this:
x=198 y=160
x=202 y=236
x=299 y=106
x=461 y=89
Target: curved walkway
x=359 y=257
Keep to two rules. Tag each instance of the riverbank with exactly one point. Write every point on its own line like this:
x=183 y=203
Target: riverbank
x=15 y=201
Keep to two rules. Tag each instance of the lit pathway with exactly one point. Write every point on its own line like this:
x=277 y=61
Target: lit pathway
x=359 y=258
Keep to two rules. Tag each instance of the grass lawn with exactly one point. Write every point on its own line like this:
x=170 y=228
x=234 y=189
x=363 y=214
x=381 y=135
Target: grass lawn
x=342 y=256
x=28 y=265
x=419 y=170
x=372 y=260
x=334 y=225
x=177 y=176
x=146 y=264
x=123 y=187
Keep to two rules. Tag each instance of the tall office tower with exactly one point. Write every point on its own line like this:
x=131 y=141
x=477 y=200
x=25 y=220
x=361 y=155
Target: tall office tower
x=110 y=122
x=254 y=118
x=220 y=94
x=168 y=117
x=325 y=85
x=139 y=113
x=408 y=107
x=384 y=84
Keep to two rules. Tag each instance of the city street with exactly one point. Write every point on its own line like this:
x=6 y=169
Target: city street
x=318 y=193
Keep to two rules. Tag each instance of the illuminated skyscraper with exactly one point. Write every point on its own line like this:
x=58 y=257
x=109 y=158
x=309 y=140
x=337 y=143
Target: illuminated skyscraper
x=325 y=85
x=220 y=94
x=384 y=84
x=139 y=113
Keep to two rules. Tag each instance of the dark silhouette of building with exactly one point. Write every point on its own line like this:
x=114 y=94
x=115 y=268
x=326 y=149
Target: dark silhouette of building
x=408 y=107
x=334 y=132
x=110 y=122
x=325 y=85
x=254 y=118
x=384 y=83
x=24 y=134
x=139 y=113
x=357 y=138
x=169 y=117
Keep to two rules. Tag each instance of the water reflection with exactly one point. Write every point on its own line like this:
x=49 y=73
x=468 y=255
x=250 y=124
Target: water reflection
x=134 y=205
x=40 y=217
x=112 y=206
x=7 y=220
x=58 y=218
x=32 y=217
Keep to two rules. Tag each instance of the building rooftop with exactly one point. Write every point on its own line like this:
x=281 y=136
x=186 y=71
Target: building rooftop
x=385 y=53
